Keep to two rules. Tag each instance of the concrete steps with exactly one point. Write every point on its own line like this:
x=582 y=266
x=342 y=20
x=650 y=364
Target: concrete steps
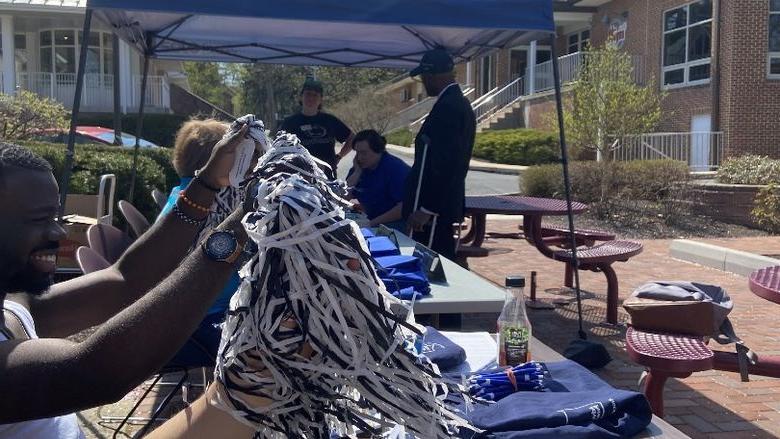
x=508 y=117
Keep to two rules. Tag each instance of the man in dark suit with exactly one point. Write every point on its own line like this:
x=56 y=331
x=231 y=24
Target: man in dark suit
x=448 y=132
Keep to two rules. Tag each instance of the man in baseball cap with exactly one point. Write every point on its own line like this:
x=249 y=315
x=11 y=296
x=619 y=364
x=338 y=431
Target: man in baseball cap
x=448 y=136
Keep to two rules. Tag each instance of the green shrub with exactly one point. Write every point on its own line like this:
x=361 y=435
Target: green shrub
x=400 y=137
x=159 y=128
x=92 y=161
x=766 y=212
x=516 y=147
x=25 y=113
x=749 y=169
x=649 y=180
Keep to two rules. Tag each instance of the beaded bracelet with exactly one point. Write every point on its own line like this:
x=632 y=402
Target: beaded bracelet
x=193 y=204
x=186 y=218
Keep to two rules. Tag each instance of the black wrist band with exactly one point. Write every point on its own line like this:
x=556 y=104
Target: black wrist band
x=206 y=185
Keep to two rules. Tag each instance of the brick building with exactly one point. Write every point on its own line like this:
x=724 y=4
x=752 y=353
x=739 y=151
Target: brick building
x=717 y=60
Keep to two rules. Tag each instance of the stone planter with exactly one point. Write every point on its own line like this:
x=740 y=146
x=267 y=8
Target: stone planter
x=731 y=203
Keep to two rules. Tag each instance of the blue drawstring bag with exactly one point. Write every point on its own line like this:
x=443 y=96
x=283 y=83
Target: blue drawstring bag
x=380 y=246
x=401 y=272
x=441 y=350
x=574 y=403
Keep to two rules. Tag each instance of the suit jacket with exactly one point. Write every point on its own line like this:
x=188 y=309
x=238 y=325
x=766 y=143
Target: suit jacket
x=449 y=130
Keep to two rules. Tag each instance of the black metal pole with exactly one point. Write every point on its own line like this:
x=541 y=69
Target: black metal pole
x=139 y=126
x=74 y=114
x=567 y=182
x=117 y=91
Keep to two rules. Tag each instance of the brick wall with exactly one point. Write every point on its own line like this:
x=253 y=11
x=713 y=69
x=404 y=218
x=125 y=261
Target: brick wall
x=644 y=37
x=750 y=103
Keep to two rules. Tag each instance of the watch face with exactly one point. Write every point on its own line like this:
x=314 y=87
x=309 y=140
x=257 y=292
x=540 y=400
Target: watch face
x=221 y=245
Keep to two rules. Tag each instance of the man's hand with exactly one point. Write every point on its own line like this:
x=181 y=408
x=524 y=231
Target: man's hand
x=418 y=219
x=216 y=173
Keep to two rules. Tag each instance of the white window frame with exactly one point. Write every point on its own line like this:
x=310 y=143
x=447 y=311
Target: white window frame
x=771 y=55
x=685 y=66
x=104 y=45
x=579 y=40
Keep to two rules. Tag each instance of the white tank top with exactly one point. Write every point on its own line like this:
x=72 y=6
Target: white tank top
x=59 y=427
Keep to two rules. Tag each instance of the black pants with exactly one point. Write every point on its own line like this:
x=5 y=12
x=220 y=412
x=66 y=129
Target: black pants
x=443 y=237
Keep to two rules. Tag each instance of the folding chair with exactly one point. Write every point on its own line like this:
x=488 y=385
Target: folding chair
x=108 y=241
x=136 y=219
x=89 y=260
x=159 y=198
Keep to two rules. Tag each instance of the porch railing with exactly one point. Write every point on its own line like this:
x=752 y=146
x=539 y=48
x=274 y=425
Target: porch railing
x=499 y=99
x=701 y=150
x=98 y=91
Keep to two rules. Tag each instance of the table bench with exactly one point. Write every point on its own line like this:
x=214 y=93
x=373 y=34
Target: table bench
x=599 y=258
x=676 y=355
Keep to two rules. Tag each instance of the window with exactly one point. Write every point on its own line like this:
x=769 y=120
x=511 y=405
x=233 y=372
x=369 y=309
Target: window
x=578 y=41
x=773 y=65
x=20 y=52
x=406 y=94
x=59 y=50
x=487 y=80
x=687 y=43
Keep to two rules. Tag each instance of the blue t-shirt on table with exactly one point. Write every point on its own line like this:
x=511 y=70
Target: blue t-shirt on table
x=222 y=302
x=381 y=188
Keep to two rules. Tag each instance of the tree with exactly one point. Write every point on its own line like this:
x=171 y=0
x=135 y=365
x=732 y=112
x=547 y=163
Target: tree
x=272 y=91
x=207 y=80
x=25 y=114
x=607 y=104
x=367 y=110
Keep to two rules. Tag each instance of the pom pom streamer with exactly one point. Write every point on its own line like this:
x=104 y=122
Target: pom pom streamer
x=310 y=333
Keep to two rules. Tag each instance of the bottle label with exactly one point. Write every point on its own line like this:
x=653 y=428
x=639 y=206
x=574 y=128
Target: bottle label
x=514 y=346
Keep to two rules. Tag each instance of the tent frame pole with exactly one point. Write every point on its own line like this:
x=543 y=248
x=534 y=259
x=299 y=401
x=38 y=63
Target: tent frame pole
x=139 y=126
x=74 y=114
x=566 y=181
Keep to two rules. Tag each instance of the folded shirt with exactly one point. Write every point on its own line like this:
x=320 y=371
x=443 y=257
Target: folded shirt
x=400 y=272
x=380 y=246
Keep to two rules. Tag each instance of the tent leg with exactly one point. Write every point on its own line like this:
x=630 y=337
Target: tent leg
x=566 y=180
x=139 y=126
x=70 y=152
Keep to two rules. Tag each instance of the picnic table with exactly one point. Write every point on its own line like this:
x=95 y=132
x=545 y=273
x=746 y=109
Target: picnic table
x=765 y=283
x=479 y=345
x=531 y=208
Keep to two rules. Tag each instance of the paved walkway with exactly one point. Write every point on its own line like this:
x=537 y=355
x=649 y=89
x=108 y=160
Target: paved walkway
x=707 y=404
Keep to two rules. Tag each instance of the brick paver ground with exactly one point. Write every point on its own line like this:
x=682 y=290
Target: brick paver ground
x=707 y=404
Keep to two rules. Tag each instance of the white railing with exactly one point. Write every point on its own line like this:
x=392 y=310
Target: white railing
x=702 y=151
x=98 y=91
x=499 y=99
x=412 y=113
x=157 y=92
x=569 y=67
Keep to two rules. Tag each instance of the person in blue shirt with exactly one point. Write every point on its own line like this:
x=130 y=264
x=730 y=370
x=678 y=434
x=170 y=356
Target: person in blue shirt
x=377 y=180
x=192 y=149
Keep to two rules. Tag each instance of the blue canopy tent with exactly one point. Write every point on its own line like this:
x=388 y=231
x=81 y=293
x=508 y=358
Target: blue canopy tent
x=359 y=33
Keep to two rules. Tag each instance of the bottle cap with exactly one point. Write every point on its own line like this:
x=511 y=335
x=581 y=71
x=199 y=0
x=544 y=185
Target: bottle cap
x=515 y=281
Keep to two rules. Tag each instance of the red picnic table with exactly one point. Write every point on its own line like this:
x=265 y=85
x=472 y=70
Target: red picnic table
x=677 y=355
x=592 y=257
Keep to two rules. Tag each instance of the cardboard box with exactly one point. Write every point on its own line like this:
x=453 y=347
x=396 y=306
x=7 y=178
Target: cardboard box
x=81 y=204
x=76 y=226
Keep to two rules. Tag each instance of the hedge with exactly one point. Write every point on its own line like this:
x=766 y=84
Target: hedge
x=400 y=137
x=640 y=180
x=749 y=169
x=517 y=147
x=91 y=161
x=159 y=128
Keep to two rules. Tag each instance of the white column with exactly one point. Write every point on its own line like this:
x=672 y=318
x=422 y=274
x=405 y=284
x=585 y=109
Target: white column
x=469 y=78
x=9 y=57
x=531 y=77
x=125 y=76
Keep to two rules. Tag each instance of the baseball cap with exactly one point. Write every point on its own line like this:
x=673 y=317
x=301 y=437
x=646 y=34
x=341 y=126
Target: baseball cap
x=312 y=84
x=434 y=61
